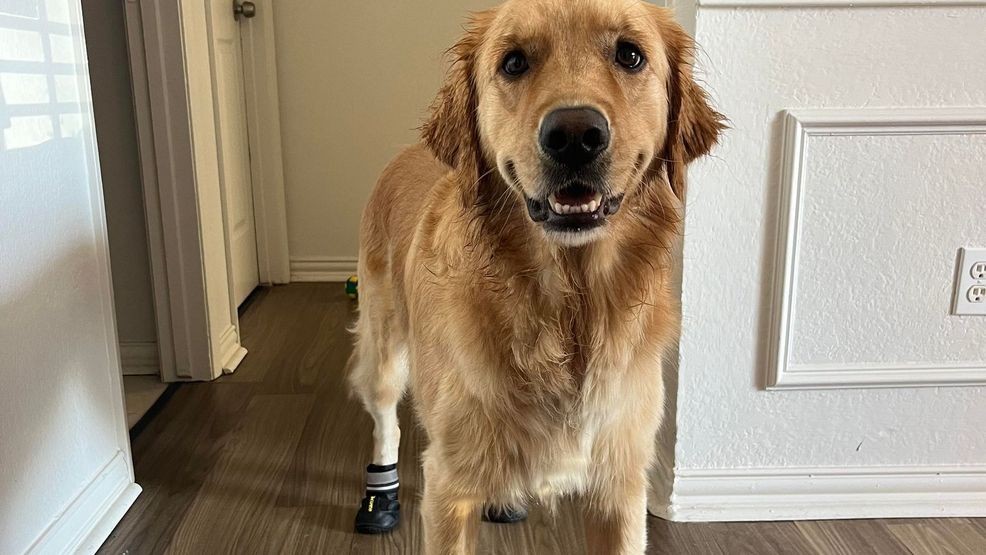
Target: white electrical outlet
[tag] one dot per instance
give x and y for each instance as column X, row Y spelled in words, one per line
column 977, row 294
column 970, row 285
column 978, row 270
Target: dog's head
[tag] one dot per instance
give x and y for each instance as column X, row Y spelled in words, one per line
column 575, row 103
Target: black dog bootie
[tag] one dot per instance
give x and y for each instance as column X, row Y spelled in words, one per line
column 380, row 511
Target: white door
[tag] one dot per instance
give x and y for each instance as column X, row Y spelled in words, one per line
column 234, row 147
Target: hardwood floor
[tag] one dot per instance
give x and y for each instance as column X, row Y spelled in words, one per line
column 140, row 393
column 270, row 459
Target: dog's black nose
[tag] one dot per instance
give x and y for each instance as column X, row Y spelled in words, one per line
column 574, row 137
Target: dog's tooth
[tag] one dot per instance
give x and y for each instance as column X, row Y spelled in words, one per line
column 585, row 208
column 593, row 205
column 557, row 208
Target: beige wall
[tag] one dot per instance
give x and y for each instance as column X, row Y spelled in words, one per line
column 117, row 137
column 355, row 81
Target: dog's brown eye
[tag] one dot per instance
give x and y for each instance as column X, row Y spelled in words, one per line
column 515, row 64
column 629, row 56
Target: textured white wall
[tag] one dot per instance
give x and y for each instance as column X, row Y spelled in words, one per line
column 61, row 407
column 881, row 221
column 914, row 196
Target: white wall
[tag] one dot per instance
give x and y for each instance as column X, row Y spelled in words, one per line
column 355, row 80
column 120, row 163
column 882, row 219
column 873, row 204
column 65, row 470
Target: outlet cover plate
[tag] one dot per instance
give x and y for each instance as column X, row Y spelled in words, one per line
column 965, row 281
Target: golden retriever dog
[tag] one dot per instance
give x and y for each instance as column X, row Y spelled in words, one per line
column 515, row 268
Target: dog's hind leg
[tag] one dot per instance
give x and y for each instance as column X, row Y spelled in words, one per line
column 378, row 373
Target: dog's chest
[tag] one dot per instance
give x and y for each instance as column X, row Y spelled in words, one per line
column 565, row 338
column 566, row 458
column 548, row 367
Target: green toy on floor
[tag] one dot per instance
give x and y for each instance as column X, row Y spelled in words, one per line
column 352, row 285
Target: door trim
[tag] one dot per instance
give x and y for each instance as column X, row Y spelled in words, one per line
column 168, row 47
column 151, row 192
column 264, row 131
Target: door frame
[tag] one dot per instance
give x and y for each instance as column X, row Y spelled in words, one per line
column 197, row 320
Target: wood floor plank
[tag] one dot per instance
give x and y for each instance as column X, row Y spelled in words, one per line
column 957, row 536
column 505, row 539
column 301, row 530
column 281, row 328
column 271, row 459
column 759, row 538
column 245, row 480
column 979, row 523
column 851, row 537
column 561, row 532
column 173, row 457
column 680, row 538
column 264, row 330
column 319, row 346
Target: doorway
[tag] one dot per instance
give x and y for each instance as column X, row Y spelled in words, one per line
column 209, row 152
column 116, row 138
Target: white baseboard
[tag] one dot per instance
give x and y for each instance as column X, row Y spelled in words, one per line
column 88, row 520
column 323, row 269
column 140, row 358
column 826, row 493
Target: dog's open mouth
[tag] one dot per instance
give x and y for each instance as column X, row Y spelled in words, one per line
column 575, row 208
column 575, row 199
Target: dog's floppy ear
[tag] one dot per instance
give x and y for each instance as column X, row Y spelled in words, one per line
column 693, row 125
column 452, row 132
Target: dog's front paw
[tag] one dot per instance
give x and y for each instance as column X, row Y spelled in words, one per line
column 378, row 514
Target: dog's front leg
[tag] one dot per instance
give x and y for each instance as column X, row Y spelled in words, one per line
column 451, row 519
column 618, row 527
column 615, row 512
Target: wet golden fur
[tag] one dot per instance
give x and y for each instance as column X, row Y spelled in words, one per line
column 535, row 366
